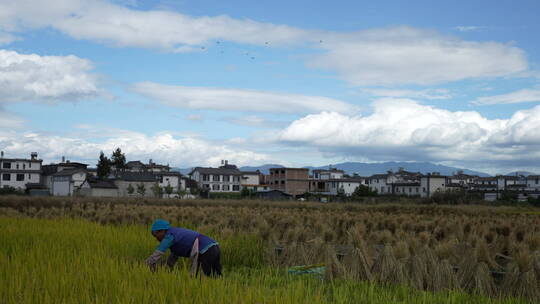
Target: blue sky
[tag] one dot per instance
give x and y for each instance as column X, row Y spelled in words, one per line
column 306, row 83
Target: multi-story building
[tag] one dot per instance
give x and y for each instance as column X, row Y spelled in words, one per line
column 19, row 172
column 433, row 183
column 294, row 181
column 226, row 178
column 533, row 182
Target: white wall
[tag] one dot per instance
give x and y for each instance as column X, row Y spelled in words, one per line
column 250, row 179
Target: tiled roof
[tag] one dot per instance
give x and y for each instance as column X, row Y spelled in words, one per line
column 217, row 171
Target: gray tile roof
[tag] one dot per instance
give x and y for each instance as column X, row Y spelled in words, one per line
column 135, row 176
column 216, row 171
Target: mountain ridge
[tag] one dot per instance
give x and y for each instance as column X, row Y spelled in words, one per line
column 368, row 169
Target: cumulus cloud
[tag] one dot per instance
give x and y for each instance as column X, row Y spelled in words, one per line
column 126, row 27
column 431, row 94
column 162, row 147
column 407, row 55
column 222, row 99
column 525, row 95
column 382, row 56
column 402, row 129
column 29, row 77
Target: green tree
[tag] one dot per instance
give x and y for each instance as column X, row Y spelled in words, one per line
column 141, row 189
column 181, row 193
column 103, row 166
column 363, row 191
column 130, row 189
column 168, row 189
column 118, row 159
column 245, row 193
column 157, row 190
column 341, row 193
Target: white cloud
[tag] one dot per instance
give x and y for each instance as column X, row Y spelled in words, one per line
column 222, row 99
column 401, row 129
column 382, row 56
column 30, row 77
column 255, row 121
column 162, row 147
column 469, row 28
column 431, row 94
column 125, row 27
column 525, row 95
column 406, row 55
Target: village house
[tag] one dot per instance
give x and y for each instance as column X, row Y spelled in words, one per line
column 67, row 182
column 93, row 187
column 347, row 185
column 433, row 183
column 293, row 181
column 226, row 178
column 20, row 173
column 253, row 181
column 533, row 182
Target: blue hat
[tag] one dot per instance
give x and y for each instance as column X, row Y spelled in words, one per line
column 160, row 224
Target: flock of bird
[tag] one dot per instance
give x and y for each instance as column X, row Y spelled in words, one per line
column 246, row 53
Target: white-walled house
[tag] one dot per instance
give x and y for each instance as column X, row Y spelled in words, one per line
column 170, row 178
column 432, row 183
column 381, row 183
column 67, row 182
column 533, row 182
column 347, row 184
column 226, row 178
column 18, row 172
column 326, row 174
column 407, row 189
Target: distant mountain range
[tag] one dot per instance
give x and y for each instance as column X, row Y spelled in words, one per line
column 524, row 173
column 367, row 169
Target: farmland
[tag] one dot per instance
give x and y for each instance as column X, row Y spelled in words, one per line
column 75, row 250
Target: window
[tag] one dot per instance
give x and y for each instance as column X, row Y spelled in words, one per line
column 382, row 190
column 215, row 187
column 236, row 188
column 226, row 178
column 424, row 189
column 17, row 165
column 410, row 190
column 206, row 186
column 236, row 178
column 29, row 176
column 6, row 177
column 226, row 188
column 282, row 171
column 29, row 165
column 283, row 182
column 417, row 190
column 20, row 177
column 6, row 166
column 205, row 178
column 215, row 178
column 24, row 166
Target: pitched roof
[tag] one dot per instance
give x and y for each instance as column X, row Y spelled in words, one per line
column 216, row 171
column 68, row 172
column 135, row 176
column 96, row 183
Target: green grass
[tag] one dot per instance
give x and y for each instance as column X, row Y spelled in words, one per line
column 76, row 261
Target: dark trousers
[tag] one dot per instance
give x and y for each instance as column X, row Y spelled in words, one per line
column 210, row 262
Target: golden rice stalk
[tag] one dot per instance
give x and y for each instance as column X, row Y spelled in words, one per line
column 388, row 269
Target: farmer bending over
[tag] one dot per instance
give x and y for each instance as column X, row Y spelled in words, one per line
column 203, row 251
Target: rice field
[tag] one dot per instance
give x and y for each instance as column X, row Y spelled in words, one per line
column 74, row 250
